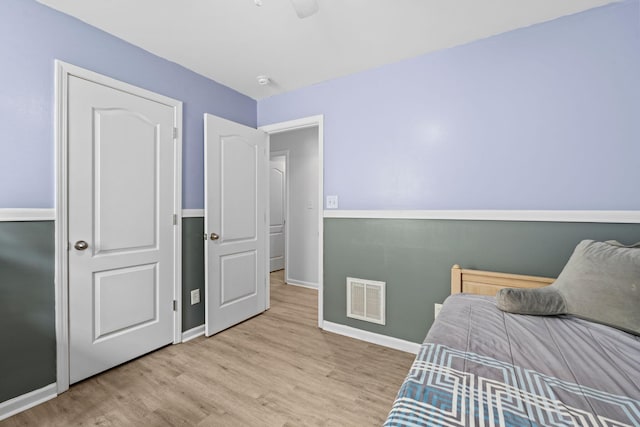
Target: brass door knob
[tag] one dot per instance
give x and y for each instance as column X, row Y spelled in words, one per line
column 214, row 236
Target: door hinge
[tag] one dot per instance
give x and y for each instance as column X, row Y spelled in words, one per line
column 175, row 305
column 175, row 219
column 175, row 133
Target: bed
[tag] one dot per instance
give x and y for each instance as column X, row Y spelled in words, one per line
column 481, row 366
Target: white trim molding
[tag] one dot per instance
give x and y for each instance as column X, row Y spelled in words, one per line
column 193, row 333
column 302, row 123
column 623, row 217
column 383, row 340
column 27, row 214
column 27, row 400
column 177, row 210
column 301, row 283
column 192, row 213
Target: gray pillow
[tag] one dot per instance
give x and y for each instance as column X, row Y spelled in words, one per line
column 539, row 301
column 600, row 282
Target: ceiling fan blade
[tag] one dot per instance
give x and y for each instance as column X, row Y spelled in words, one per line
column 305, row 8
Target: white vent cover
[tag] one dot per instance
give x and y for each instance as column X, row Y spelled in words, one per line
column 365, row 300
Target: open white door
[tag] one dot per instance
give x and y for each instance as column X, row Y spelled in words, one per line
column 277, row 208
column 236, row 192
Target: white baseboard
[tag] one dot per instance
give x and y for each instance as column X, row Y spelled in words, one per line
column 192, row 333
column 302, row 284
column 383, row 340
column 26, row 401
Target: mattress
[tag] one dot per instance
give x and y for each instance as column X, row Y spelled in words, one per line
column 480, row 366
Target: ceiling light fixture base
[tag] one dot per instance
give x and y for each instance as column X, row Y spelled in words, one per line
column 263, row 80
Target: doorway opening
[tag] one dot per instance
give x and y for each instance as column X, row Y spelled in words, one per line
column 118, row 270
column 301, row 143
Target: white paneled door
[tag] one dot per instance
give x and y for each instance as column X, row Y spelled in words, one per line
column 236, row 192
column 121, row 237
column 277, row 209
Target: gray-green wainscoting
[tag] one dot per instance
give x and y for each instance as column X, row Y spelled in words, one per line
column 27, row 312
column 414, row 257
column 192, row 271
column 27, row 300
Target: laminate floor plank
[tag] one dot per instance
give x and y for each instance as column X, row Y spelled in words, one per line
column 276, row 369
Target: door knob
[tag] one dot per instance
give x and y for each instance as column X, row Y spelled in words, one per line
column 214, row 236
column 81, row 245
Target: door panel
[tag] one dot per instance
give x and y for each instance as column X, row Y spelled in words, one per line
column 238, row 186
column 119, row 131
column 236, row 191
column 121, row 172
column 277, row 208
column 112, row 312
column 239, row 272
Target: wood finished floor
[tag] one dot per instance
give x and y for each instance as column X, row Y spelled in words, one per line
column 277, row 369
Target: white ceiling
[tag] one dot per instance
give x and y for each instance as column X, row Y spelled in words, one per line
column 233, row 41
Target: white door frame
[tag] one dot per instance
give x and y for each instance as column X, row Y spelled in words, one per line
column 285, row 154
column 302, row 123
column 62, row 72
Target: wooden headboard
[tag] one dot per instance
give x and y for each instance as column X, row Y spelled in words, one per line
column 488, row 282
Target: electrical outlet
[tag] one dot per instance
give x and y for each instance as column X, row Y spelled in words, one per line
column 332, row 202
column 436, row 310
column 195, row 296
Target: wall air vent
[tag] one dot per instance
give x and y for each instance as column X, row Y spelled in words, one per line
column 365, row 300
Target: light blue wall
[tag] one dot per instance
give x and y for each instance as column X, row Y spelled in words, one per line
column 546, row 117
column 31, row 37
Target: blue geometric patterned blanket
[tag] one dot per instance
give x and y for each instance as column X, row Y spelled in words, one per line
column 584, row 375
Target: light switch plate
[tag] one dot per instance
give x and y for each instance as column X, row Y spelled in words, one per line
column 332, row 202
column 195, row 296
